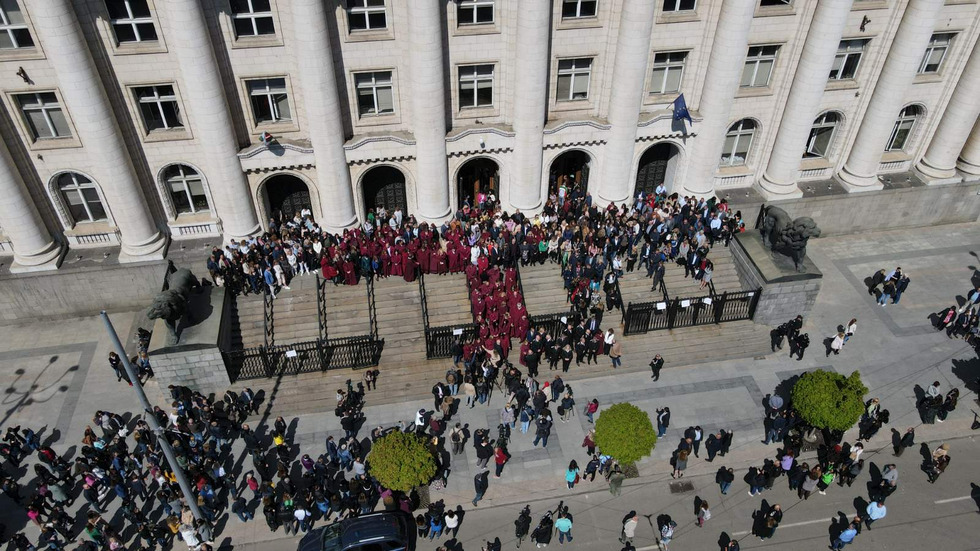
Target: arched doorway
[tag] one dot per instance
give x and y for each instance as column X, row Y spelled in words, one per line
column 287, row 195
column 475, row 177
column 571, row 169
column 657, row 166
column 384, row 186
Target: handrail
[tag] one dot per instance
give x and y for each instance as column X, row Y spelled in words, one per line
column 321, row 306
column 520, row 282
column 663, row 289
column 619, row 293
column 711, row 288
column 268, row 319
column 372, row 311
column 469, row 296
column 425, row 308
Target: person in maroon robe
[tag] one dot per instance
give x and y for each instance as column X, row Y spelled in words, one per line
column 422, row 258
column 434, row 261
column 350, row 277
column 329, row 272
column 525, row 348
column 410, row 266
column 482, row 263
column 452, row 258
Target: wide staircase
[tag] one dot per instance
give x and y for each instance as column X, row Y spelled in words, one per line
column 636, row 287
column 447, row 301
column 295, row 311
column 544, row 289
column 398, row 304
column 250, row 314
column 347, row 310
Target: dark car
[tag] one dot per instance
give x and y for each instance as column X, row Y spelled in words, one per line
column 388, row 531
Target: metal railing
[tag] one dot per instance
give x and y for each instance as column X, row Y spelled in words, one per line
column 425, row 307
column 303, row 357
column 439, row 341
column 321, row 307
column 643, row 317
column 553, row 323
column 268, row 318
column 372, row 312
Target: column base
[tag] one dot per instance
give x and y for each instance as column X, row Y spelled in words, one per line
column 854, row 183
column 154, row 249
column 435, row 219
column 972, row 171
column 238, row 235
column 48, row 259
column 339, row 228
column 688, row 190
column 933, row 175
column 772, row 191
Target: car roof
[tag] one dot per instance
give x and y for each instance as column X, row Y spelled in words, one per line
column 372, row 527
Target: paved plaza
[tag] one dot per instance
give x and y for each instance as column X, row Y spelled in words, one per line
column 56, row 377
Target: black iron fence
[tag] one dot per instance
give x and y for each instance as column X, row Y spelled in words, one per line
column 269, row 318
column 439, row 341
column 321, row 307
column 372, row 311
column 689, row 312
column 303, row 357
column 554, row 323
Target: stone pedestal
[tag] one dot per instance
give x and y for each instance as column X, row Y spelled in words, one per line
column 786, row 293
column 195, row 360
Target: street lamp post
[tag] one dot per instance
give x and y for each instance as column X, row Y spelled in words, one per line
column 168, row 452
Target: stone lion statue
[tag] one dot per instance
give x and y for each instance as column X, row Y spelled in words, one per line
column 171, row 304
column 788, row 237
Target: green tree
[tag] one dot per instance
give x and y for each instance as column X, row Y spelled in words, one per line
column 402, row 461
column 829, row 400
column 625, row 432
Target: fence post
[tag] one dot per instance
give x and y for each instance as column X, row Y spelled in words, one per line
column 754, row 303
column 672, row 312
column 720, row 307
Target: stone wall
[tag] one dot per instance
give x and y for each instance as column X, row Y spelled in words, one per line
column 202, row 370
column 84, row 291
column 880, row 210
column 783, row 298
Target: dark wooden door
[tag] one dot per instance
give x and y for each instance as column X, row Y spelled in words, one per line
column 287, row 196
column 390, row 196
column 653, row 169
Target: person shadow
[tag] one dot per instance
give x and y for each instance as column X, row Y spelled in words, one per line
column 896, row 439
column 875, row 473
column 697, row 504
column 926, row 457
column 826, row 344
column 975, row 494
column 860, row 506
column 837, row 526
column 920, row 395
column 723, row 540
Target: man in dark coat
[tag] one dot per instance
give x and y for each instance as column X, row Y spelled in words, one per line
column 713, row 444
column 480, row 483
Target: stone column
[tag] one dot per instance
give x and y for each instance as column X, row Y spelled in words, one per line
column 323, row 113
column 803, row 104
column 918, row 23
column 34, row 250
column 204, row 96
column 629, row 75
column 429, row 109
column 939, row 162
column 721, row 82
column 969, row 161
column 87, row 102
column 530, row 103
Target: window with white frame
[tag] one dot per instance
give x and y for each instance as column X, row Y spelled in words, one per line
column 475, row 86
column 252, row 18
column 738, row 142
column 903, row 128
column 679, row 5
column 774, row 3
column 270, row 102
column 758, row 66
column 158, row 107
column 573, row 78
column 366, row 15
column 131, row 21
column 573, row 9
column 186, row 189
column 82, row 198
column 44, row 116
column 848, row 59
column 668, row 68
column 932, row 60
column 822, row 135
column 14, row 33
column 374, row 93
column 475, row 12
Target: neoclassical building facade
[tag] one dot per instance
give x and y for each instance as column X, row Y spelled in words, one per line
column 130, row 122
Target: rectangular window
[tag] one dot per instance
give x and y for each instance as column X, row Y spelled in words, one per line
column 85, row 205
column 252, row 18
column 374, row 95
column 848, row 59
column 475, row 12
column 573, row 9
column 774, row 3
column 475, row 86
column 679, row 5
column 131, row 21
column 668, row 68
column 573, row 78
column 366, row 15
column 758, row 66
column 270, row 103
column 158, row 107
column 44, row 116
column 13, row 29
column 932, row 60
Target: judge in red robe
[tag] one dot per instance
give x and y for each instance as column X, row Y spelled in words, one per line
column 410, row 266
column 329, row 272
column 350, row 277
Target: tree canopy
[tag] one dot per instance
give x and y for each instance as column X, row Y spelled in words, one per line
column 402, row 461
column 829, row 400
column 625, row 432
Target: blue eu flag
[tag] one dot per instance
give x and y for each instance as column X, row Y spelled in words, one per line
column 680, row 110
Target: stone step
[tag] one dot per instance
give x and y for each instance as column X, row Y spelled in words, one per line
column 347, row 310
column 447, row 300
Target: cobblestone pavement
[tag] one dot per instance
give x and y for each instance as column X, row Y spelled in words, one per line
column 57, row 378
